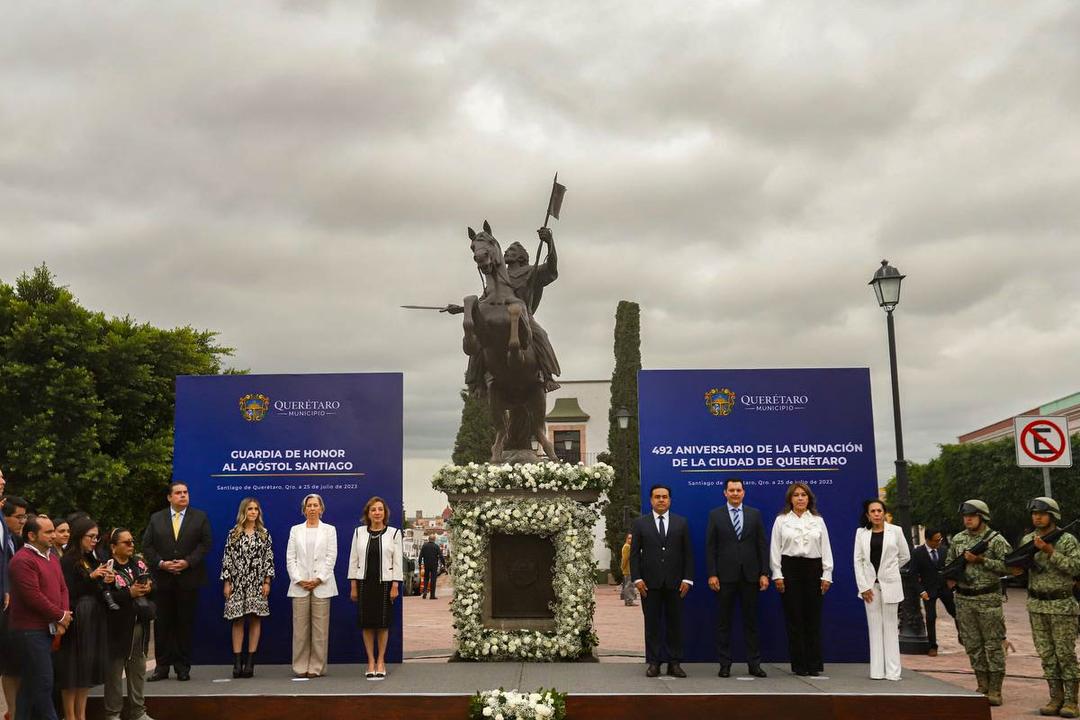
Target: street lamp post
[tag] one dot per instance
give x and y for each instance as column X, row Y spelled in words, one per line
column 913, row 640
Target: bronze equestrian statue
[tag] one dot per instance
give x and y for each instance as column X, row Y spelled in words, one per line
column 510, row 356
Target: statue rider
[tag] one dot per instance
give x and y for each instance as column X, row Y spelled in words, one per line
column 528, row 284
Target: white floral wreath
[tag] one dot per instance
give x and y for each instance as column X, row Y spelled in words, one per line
column 534, row 477
column 568, row 523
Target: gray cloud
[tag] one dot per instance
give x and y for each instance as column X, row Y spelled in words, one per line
column 290, row 174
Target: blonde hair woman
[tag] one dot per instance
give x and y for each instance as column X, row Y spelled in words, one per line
column 247, row 568
column 310, row 559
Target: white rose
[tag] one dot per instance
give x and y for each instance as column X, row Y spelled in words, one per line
column 487, row 712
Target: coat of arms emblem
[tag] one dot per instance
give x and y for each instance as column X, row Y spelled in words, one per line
column 254, row 406
column 720, row 401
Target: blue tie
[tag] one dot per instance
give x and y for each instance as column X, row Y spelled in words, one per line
column 736, row 520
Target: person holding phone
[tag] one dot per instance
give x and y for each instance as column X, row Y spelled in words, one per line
column 128, row 627
column 83, row 654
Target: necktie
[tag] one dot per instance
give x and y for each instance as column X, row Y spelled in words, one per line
column 736, row 520
column 663, row 533
column 933, row 556
column 176, row 525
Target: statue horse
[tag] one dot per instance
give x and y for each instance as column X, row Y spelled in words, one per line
column 497, row 330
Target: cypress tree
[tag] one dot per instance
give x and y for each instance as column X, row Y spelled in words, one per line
column 475, row 435
column 623, row 444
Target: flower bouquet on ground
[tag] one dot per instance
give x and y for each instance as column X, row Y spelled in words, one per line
column 513, row 705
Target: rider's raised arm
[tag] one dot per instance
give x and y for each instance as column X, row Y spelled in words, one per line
column 548, row 271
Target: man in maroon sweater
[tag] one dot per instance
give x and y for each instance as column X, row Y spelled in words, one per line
column 39, row 609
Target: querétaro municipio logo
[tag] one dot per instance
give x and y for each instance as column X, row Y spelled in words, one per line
column 254, row 406
column 720, row 401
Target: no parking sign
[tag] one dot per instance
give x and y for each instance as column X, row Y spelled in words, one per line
column 1042, row 442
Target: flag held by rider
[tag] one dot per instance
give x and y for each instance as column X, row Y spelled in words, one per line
column 555, row 202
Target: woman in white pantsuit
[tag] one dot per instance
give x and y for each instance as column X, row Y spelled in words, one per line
column 310, row 560
column 880, row 552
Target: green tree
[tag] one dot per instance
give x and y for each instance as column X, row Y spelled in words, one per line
column 88, row 400
column 475, row 434
column 986, row 471
column 623, row 444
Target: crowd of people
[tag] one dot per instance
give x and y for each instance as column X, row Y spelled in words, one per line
column 79, row 600
column 658, row 566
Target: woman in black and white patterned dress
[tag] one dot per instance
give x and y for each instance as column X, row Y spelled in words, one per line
column 375, row 572
column 247, row 569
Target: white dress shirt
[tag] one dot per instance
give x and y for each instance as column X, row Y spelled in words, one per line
column 667, row 529
column 805, row 537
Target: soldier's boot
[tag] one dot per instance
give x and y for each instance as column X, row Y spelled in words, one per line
column 1057, row 697
column 1070, row 709
column 981, row 679
column 993, row 688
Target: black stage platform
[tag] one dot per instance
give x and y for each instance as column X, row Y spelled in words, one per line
column 419, row 690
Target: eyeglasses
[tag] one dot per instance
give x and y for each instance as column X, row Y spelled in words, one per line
column 125, row 542
column 88, row 536
column 20, row 516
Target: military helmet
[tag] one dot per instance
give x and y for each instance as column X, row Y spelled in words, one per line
column 975, row 507
column 1046, row 505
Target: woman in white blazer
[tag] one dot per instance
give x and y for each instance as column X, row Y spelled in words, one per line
column 310, row 560
column 375, row 575
column 880, row 552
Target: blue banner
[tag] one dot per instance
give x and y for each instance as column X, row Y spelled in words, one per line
column 278, row 438
column 768, row 428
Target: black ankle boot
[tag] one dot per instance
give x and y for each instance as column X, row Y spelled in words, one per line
column 249, row 665
column 237, row 666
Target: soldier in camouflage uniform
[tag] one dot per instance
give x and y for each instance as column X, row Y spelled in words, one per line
column 1052, row 608
column 979, row 615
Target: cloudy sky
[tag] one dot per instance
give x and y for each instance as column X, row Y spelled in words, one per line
column 288, row 174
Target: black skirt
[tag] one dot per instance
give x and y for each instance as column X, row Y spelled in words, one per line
column 83, row 656
column 373, row 610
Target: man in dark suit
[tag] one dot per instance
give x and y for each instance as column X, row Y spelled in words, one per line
column 174, row 545
column 738, row 563
column 431, row 558
column 927, row 561
column 662, row 568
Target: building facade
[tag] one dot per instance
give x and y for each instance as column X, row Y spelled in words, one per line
column 577, row 424
column 1068, row 406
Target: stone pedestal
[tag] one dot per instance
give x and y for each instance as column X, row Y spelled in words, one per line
column 522, row 558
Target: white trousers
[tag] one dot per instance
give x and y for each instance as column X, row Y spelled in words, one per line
column 311, row 634
column 881, row 619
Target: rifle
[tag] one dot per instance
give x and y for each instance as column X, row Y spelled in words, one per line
column 955, row 568
column 1023, row 557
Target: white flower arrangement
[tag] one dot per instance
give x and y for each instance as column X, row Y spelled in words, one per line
column 513, row 705
column 534, row 477
column 567, row 522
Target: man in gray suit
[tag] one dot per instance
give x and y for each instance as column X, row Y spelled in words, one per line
column 662, row 568
column 737, row 559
